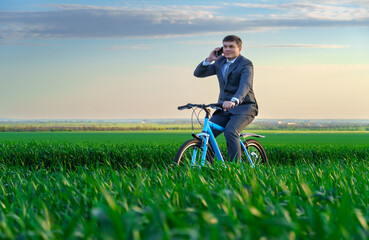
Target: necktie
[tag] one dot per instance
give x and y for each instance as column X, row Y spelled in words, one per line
column 225, row 69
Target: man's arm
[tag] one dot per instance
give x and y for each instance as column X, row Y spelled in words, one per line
column 247, row 75
column 205, row 68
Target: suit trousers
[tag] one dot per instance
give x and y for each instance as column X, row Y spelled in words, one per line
column 233, row 125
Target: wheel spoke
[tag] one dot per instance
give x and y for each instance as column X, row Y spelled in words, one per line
column 190, row 154
column 194, row 155
column 255, row 152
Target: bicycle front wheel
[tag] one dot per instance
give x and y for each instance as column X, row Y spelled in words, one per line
column 255, row 151
column 190, row 154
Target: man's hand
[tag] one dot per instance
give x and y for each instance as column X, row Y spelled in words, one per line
column 228, row 105
column 212, row 57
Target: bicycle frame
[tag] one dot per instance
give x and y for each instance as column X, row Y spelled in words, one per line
column 206, row 135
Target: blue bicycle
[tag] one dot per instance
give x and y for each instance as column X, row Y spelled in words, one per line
column 203, row 147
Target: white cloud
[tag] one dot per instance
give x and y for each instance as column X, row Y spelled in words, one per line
column 297, row 45
column 86, row 21
column 131, row 47
column 311, row 10
column 17, row 43
column 318, row 67
column 199, row 42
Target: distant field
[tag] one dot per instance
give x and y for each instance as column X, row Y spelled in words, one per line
column 176, row 124
column 177, row 137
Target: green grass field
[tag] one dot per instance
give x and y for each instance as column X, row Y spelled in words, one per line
column 164, row 137
column 119, row 185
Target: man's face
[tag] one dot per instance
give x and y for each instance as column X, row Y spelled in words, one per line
column 231, row 50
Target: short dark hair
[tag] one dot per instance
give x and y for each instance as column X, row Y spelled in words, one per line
column 233, row 38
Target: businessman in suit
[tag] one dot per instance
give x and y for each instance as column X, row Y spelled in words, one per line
column 235, row 76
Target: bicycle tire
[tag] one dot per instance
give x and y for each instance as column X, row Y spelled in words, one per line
column 184, row 153
column 256, row 152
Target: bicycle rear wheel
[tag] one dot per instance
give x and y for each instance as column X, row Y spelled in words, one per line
column 256, row 153
column 190, row 154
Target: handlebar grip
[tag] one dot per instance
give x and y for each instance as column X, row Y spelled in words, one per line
column 217, row 106
column 187, row 106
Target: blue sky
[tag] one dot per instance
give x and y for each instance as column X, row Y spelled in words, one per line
column 135, row 59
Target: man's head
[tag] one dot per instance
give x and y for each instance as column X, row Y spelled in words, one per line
column 232, row 46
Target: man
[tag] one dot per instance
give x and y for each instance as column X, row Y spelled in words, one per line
column 235, row 76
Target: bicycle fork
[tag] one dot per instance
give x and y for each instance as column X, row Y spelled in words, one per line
column 205, row 139
column 247, row 154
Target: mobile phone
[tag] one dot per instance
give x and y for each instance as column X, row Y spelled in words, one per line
column 219, row 52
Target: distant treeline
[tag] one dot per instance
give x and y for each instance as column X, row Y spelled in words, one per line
column 259, row 125
column 83, row 128
column 310, row 126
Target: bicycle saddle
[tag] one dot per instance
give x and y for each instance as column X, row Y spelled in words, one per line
column 245, row 135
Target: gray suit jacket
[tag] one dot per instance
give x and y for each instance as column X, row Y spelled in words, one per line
column 238, row 83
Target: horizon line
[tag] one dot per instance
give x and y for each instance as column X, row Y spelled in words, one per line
column 171, row 119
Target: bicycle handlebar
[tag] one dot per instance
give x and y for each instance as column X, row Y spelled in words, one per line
column 203, row 106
